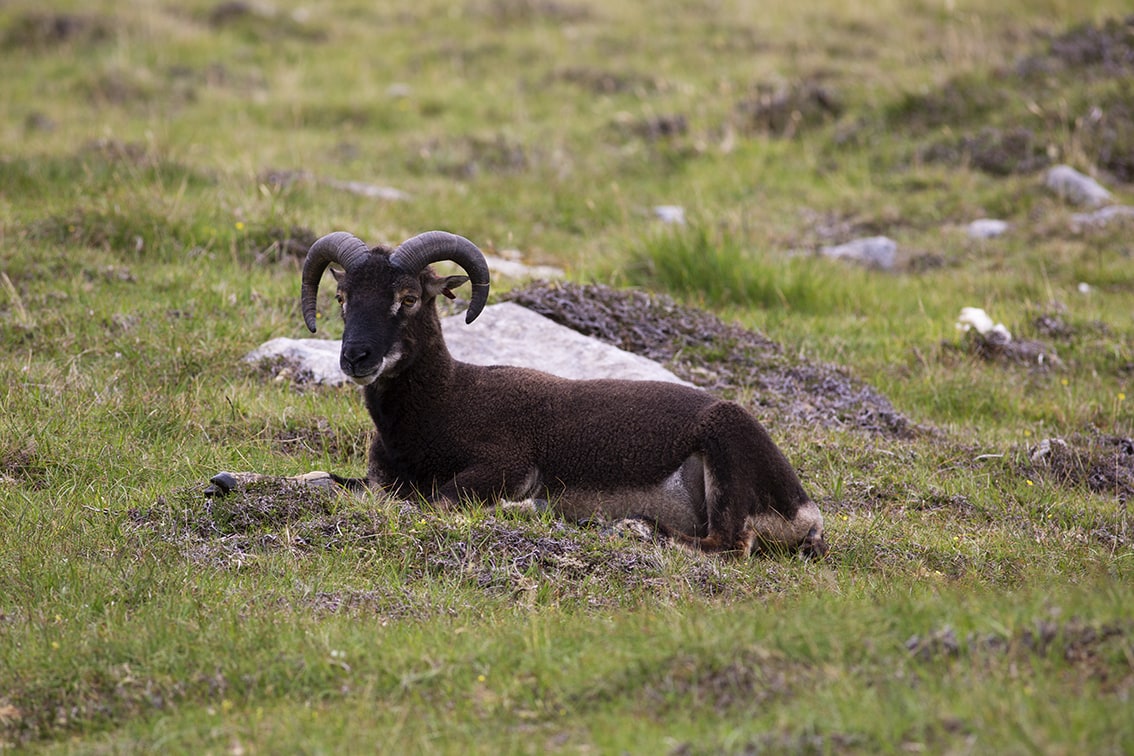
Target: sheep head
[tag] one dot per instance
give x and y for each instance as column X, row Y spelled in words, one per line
column 381, row 291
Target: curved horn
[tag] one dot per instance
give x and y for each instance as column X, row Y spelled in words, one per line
column 433, row 246
column 339, row 247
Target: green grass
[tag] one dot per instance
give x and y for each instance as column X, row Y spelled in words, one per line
column 154, row 160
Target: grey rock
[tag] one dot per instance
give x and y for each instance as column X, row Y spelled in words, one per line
column 512, row 267
column 987, row 228
column 1102, row 217
column 1075, row 187
column 504, row 334
column 670, row 214
column 363, row 189
column 873, row 251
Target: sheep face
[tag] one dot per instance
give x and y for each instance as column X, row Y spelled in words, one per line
column 378, row 301
column 382, row 292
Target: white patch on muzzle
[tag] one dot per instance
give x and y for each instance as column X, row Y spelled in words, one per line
column 392, row 358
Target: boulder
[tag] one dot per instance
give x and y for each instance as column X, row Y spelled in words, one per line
column 873, row 251
column 504, row 334
column 1075, row 187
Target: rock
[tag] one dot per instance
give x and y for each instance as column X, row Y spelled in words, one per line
column 976, row 319
column 1076, row 187
column 510, row 267
column 504, row 334
column 368, row 190
column 308, row 360
column 670, row 214
column 873, row 251
column 1102, row 217
column 987, row 228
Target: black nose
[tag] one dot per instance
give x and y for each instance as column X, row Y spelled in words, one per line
column 352, row 357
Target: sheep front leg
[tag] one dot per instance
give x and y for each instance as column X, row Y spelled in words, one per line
column 224, row 482
column 488, row 483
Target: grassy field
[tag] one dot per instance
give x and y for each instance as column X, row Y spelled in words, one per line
column 160, row 163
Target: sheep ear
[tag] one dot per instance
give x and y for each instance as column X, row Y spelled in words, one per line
column 444, row 286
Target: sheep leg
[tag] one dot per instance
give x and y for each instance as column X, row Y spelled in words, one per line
column 223, row 482
column 485, row 483
column 751, row 492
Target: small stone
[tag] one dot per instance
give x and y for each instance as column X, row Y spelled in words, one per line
column 873, row 251
column 1075, row 187
column 987, row 228
column 670, row 214
column 1102, row 217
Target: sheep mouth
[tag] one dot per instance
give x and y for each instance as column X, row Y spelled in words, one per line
column 365, row 380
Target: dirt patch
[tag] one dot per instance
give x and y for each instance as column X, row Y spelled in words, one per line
column 470, row 156
column 601, row 81
column 47, row 31
column 995, row 347
column 1095, row 651
column 260, row 21
column 257, row 507
column 753, row 677
column 1102, row 463
column 20, row 465
column 725, row 358
column 505, row 554
column 1106, row 49
column 999, row 152
column 271, row 244
column 524, row 12
column 1068, row 100
column 786, row 110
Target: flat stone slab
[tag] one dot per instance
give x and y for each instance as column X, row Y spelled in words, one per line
column 504, row 334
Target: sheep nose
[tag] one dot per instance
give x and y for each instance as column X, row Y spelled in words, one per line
column 353, row 356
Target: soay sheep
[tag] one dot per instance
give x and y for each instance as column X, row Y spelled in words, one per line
column 700, row 470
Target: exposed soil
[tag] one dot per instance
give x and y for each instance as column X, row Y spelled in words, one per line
column 999, row 152
column 1103, row 464
column 1106, row 49
column 725, row 358
column 1097, row 654
column 39, row 31
column 996, row 348
column 1078, row 89
column 21, row 464
column 785, row 110
column 754, row 677
column 1093, row 650
column 500, row 554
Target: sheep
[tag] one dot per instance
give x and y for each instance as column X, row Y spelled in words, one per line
column 696, row 469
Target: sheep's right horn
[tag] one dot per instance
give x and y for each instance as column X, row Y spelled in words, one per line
column 339, row 247
column 433, row 246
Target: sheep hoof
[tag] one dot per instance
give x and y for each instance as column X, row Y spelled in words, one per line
column 220, row 484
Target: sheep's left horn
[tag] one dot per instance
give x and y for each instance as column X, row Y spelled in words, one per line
column 340, row 247
column 434, row 246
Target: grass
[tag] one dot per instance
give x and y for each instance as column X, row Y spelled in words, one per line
column 156, row 164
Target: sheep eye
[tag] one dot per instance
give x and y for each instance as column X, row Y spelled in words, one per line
column 409, row 301
column 341, row 298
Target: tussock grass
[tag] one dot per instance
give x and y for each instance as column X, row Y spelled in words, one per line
column 162, row 168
